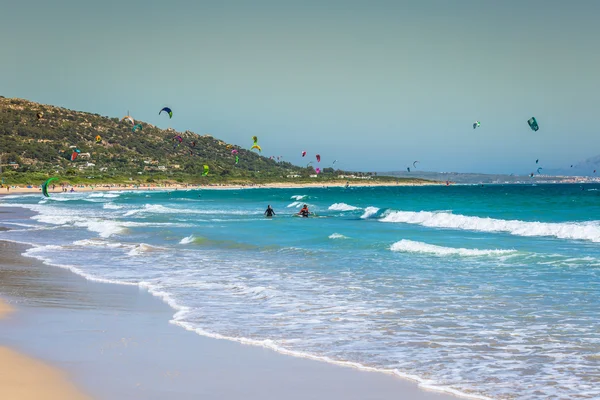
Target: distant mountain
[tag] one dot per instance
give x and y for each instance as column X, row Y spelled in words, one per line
column 581, row 168
column 474, row 178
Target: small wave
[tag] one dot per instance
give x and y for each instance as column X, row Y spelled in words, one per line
column 187, row 240
column 143, row 248
column 409, row 246
column 111, row 206
column 105, row 195
column 338, row 236
column 370, row 212
column 299, row 197
column 160, row 209
column 343, row 207
column 296, row 204
column 568, row 230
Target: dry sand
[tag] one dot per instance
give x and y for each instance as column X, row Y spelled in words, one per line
column 24, row 378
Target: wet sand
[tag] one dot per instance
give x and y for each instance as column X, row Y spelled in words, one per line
column 25, row 378
column 115, row 342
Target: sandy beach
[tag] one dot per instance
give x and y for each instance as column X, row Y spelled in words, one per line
column 115, row 342
column 21, row 189
column 25, row 378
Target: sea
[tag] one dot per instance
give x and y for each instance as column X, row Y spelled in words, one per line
column 489, row 292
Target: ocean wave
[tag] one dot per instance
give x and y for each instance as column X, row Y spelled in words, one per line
column 160, row 209
column 296, row 204
column 187, row 240
column 568, row 230
column 105, row 195
column 409, row 246
column 143, row 248
column 111, row 206
column 370, row 212
column 299, row 197
column 342, row 207
column 338, row 236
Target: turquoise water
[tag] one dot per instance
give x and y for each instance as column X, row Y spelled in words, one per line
column 488, row 291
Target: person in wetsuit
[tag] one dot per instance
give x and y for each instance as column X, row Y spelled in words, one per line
column 304, row 212
column 269, row 212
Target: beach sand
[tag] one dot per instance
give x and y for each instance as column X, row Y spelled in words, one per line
column 115, row 342
column 25, row 378
column 286, row 185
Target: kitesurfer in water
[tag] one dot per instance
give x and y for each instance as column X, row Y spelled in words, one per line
column 304, row 212
column 269, row 212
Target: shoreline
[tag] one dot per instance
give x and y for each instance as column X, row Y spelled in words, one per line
column 217, row 186
column 324, row 376
column 27, row 378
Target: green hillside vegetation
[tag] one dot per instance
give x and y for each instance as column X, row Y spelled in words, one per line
column 33, row 149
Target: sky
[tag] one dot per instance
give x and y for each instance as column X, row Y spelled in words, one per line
column 373, row 84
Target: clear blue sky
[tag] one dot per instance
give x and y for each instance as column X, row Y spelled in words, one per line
column 374, row 84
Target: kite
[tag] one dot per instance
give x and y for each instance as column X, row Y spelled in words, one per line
column 234, row 151
column 318, row 170
column 74, row 155
column 318, row 157
column 539, row 169
column 45, row 186
column 476, row 124
column 205, row 170
column 255, row 145
column 334, row 161
column 533, row 124
column 531, row 175
column 128, row 118
column 415, row 164
column 303, row 153
column 40, row 115
column 237, row 159
column 408, row 169
column 537, row 161
column 168, row 111
column 228, row 146
column 137, row 127
column 98, row 138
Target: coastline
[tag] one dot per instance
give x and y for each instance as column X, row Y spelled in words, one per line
column 223, row 186
column 122, row 334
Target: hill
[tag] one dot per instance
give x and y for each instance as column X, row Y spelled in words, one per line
column 36, row 141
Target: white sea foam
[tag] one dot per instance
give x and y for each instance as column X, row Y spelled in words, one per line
column 342, row 207
column 160, row 209
column 569, row 230
column 187, row 240
column 105, row 195
column 299, row 197
column 337, row 236
column 296, row 204
column 409, row 246
column 111, row 206
column 369, row 212
column 143, row 248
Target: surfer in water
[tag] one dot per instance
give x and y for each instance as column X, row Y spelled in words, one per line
column 269, row 212
column 304, row 212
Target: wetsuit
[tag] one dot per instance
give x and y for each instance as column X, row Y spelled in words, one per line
column 270, row 212
column 304, row 212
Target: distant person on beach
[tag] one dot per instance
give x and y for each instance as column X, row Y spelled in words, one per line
column 304, row 212
column 269, row 212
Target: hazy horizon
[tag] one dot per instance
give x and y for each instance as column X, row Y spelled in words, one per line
column 374, row 85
